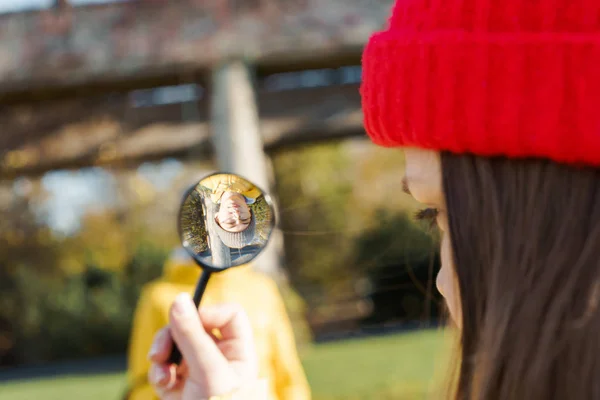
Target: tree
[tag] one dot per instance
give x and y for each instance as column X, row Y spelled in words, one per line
column 314, row 189
column 401, row 260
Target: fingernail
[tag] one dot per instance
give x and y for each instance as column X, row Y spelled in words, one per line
column 154, row 349
column 183, row 306
column 157, row 375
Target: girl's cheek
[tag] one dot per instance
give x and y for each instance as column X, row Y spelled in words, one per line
column 446, row 279
column 442, row 221
column 443, row 279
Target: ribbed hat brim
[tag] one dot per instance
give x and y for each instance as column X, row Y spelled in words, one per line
column 489, row 94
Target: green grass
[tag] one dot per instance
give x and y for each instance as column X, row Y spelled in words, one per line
column 400, row 367
column 97, row 387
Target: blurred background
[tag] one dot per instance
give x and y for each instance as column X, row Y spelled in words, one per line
column 111, row 109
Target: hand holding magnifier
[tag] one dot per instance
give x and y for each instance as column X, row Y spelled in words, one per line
column 224, row 221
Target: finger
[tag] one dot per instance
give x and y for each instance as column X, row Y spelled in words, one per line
column 198, row 349
column 161, row 375
column 229, row 319
column 171, row 390
column 236, row 342
column 177, row 378
column 182, row 370
column 236, row 336
column 161, row 346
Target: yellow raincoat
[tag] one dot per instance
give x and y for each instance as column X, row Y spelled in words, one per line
column 221, row 183
column 258, row 294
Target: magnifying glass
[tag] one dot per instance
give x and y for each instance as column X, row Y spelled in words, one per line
column 224, row 221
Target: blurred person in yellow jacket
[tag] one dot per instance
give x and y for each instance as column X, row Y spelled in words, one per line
column 256, row 293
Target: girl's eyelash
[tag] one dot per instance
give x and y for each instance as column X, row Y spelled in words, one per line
column 427, row 214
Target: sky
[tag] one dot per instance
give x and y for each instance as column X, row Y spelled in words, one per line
column 73, row 193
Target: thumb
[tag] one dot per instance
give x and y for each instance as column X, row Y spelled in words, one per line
column 207, row 365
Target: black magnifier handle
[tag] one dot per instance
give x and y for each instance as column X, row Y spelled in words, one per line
column 175, row 357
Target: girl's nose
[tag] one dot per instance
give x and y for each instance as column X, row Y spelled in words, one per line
column 235, row 213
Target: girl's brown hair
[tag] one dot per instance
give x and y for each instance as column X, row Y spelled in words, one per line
column 526, row 241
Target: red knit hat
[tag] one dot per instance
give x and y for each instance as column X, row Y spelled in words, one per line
column 518, row 78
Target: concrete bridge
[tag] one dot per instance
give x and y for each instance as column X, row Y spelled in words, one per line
column 141, row 42
column 78, row 84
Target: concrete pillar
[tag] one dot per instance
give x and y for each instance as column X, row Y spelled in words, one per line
column 238, row 143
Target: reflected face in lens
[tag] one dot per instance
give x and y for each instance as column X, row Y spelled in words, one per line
column 234, row 214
